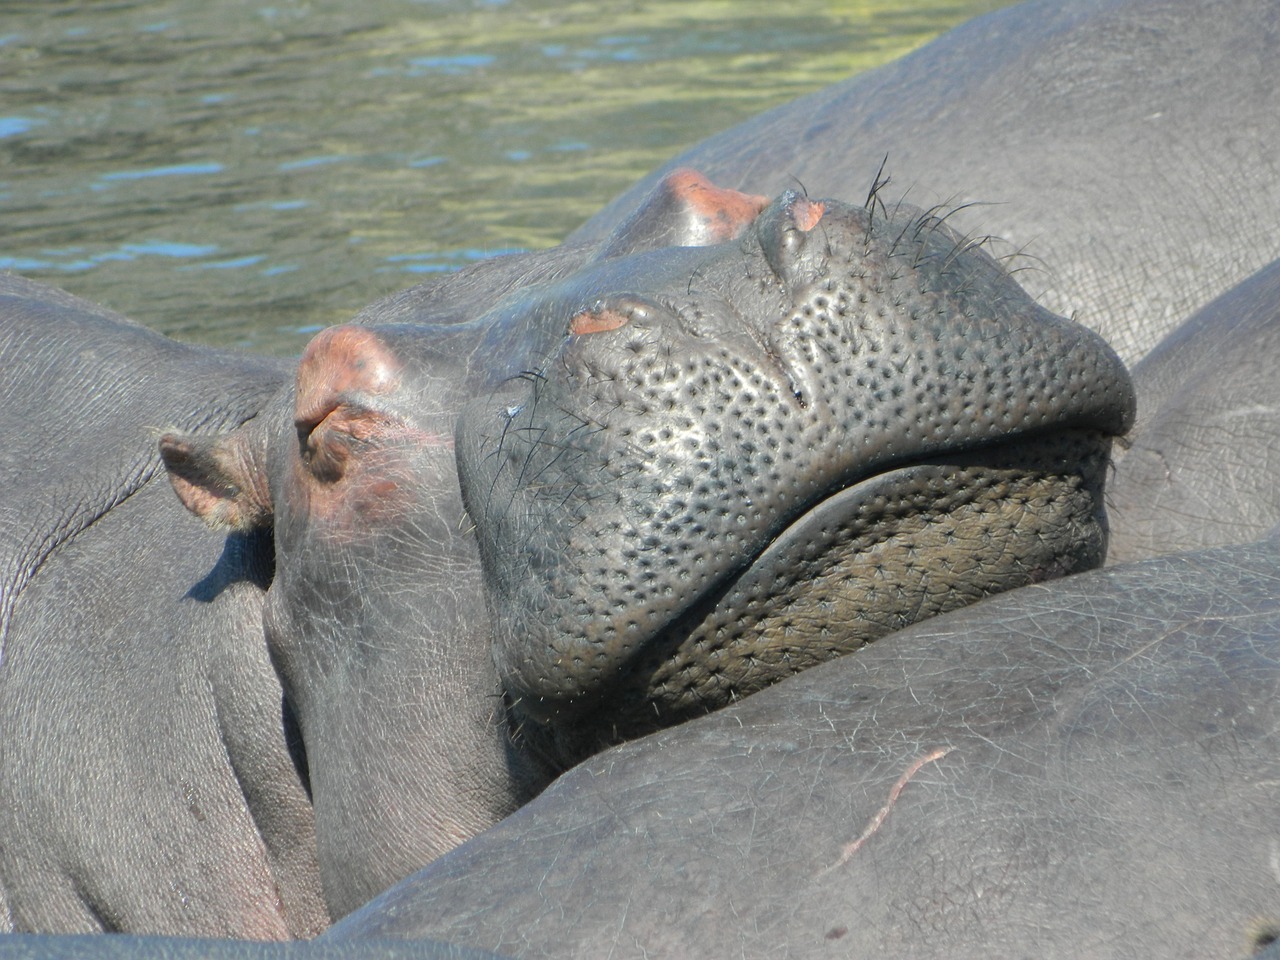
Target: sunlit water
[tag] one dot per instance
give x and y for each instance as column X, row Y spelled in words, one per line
column 245, row 172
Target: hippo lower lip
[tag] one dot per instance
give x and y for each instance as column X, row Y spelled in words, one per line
column 903, row 544
column 803, row 539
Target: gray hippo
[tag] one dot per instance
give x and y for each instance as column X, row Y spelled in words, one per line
column 1048, row 754
column 1081, row 768
column 451, row 560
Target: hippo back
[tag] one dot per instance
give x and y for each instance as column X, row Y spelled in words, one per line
column 1102, row 138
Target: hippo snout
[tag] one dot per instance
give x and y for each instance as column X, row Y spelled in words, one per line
column 713, row 467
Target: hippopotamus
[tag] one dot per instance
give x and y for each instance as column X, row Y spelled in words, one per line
column 448, row 561
column 1082, row 767
column 948, row 789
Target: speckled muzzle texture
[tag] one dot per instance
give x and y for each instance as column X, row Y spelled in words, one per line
column 710, row 468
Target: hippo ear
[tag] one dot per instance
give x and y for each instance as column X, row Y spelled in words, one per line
column 340, row 366
column 221, row 479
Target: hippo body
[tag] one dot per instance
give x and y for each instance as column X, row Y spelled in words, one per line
column 1125, row 146
column 380, row 745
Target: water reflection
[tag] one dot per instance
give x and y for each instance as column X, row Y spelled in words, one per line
column 246, row 172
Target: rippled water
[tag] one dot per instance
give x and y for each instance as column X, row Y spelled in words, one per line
column 245, row 172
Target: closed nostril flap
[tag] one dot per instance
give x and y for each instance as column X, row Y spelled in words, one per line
column 784, row 229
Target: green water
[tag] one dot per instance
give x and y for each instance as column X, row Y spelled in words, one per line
column 245, row 172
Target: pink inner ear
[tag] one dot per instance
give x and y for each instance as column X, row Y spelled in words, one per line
column 217, row 479
column 339, row 361
column 202, row 499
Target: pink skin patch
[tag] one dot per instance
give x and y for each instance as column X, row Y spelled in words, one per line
column 805, row 214
column 723, row 213
column 597, row 321
column 338, row 361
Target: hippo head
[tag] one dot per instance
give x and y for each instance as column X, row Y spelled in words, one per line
column 711, row 468
column 376, row 615
column 641, row 488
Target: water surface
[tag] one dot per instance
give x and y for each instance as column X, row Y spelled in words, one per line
column 246, row 172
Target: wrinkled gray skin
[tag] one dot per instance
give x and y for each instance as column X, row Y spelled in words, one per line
column 1200, row 468
column 1127, row 146
column 887, row 398
column 1111, row 789
column 793, row 445
column 1199, row 629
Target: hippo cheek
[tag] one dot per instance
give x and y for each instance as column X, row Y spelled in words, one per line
column 350, row 551
column 362, row 472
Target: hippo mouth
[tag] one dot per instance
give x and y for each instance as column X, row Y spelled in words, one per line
column 780, row 450
column 909, row 542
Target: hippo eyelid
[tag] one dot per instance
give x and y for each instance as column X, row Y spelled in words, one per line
column 360, row 421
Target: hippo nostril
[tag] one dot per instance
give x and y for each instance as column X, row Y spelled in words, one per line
column 784, row 230
column 597, row 321
column 603, row 317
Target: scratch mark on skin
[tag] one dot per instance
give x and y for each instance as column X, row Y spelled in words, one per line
column 1275, row 859
column 882, row 814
